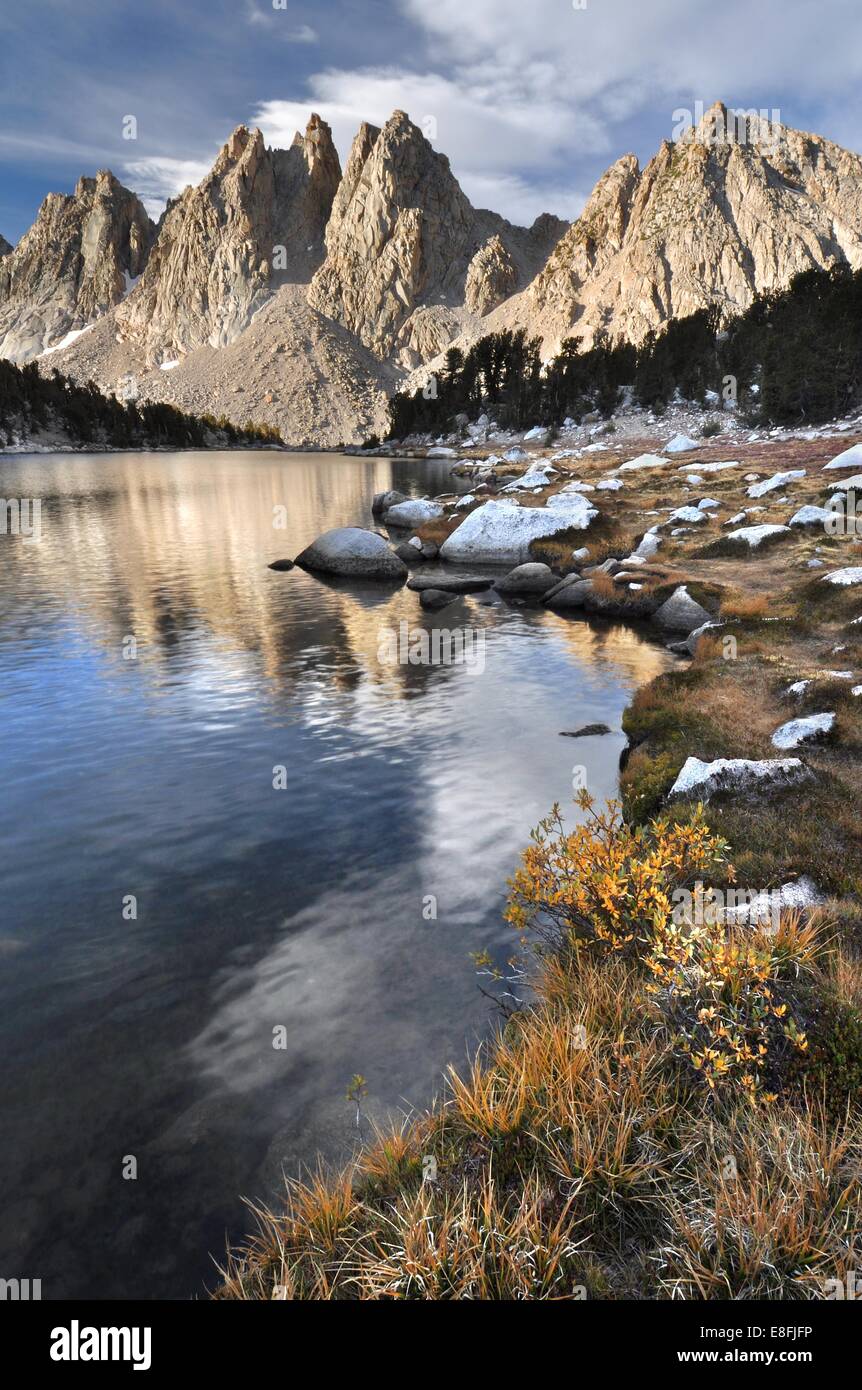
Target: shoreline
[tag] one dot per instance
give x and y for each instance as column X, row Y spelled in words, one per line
column 780, row 1076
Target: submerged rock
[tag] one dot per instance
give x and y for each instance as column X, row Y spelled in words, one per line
column 354, row 552
column 281, row 565
column 451, row 583
column 436, row 598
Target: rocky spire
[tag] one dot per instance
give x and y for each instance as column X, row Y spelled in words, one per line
column 256, row 220
column 402, row 230
column 76, row 262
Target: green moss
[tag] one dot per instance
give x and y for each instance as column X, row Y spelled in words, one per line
column 646, row 781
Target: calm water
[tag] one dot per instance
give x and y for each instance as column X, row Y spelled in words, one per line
column 256, row 908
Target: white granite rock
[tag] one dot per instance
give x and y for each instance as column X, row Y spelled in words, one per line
column 797, row 731
column 776, row 481
column 743, row 776
column 501, row 532
column 754, row 535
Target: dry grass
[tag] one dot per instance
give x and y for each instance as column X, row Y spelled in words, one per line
column 738, row 605
column 581, row 1155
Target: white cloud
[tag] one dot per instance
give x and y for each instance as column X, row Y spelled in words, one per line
column 276, row 20
column 512, row 155
column 159, row 178
column 531, row 101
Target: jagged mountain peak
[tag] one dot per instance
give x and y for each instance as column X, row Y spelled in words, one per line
column 75, row 262
column 737, row 205
column 407, row 253
column 256, row 220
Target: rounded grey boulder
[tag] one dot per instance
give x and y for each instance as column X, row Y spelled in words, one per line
column 572, row 595
column 354, row 552
column 681, row 613
column 384, row 500
column 530, row 578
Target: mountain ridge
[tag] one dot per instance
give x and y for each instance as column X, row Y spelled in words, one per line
column 368, row 275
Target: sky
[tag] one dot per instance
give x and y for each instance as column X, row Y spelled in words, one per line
column 530, row 99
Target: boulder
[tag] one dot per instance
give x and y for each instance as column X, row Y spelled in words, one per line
column 690, row 642
column 810, row 515
column 776, row 481
column 354, row 552
column 681, row 444
column 500, row 532
column 699, row 781
column 409, row 554
column 569, row 595
column 573, row 578
column 281, row 565
column 853, row 484
column 753, row 536
column 416, row 511
column 648, row 544
column 799, row 896
column 642, row 461
column 382, row 501
column 681, row 613
column 803, row 730
column 531, row 578
column 845, row 578
column 850, row 458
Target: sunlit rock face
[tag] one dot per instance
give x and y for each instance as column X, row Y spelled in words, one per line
column 404, row 237
column 731, row 209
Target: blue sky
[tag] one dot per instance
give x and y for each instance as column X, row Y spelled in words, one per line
column 531, row 99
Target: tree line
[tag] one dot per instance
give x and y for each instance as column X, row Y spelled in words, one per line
column 793, row 357
column 31, row 403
